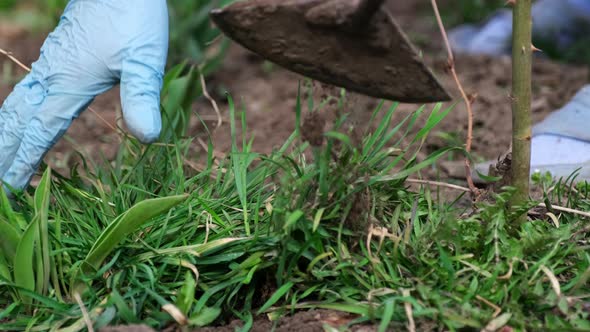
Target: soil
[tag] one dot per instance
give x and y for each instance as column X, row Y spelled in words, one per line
column 309, row 321
column 304, row 321
column 268, row 93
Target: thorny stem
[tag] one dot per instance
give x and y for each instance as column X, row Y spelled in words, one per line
column 522, row 50
column 468, row 101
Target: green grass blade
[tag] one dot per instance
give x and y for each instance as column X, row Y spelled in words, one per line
column 9, row 239
column 205, row 317
column 4, row 269
column 387, row 317
column 186, row 296
column 24, row 276
column 276, row 296
column 411, row 170
column 126, row 224
column 6, row 210
column 41, row 216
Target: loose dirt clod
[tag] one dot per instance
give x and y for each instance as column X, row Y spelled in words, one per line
column 312, row 129
column 127, row 328
column 358, row 217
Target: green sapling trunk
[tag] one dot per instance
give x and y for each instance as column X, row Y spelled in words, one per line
column 522, row 50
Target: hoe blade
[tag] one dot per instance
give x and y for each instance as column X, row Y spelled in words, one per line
column 374, row 58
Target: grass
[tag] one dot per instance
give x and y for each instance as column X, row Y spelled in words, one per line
column 147, row 239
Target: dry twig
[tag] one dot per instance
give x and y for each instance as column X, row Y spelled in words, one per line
column 438, row 184
column 85, row 314
column 468, row 101
column 212, row 101
column 497, row 310
column 409, row 312
column 564, row 209
column 552, row 279
column 456, row 187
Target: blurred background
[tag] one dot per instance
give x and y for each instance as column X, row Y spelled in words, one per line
column 268, row 93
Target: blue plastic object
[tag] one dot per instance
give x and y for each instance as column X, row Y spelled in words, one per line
column 559, row 21
column 96, row 45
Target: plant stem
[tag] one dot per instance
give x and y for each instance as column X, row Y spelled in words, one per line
column 522, row 49
column 467, row 99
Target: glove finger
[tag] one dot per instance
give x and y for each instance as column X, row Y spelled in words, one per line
column 140, row 97
column 142, row 72
column 15, row 114
column 44, row 129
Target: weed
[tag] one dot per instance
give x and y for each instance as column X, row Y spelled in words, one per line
column 268, row 234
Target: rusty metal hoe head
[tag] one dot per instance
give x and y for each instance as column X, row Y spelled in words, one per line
column 354, row 44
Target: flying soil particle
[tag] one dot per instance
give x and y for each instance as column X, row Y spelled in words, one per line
column 312, row 130
column 358, row 217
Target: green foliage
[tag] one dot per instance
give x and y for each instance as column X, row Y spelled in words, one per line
column 7, row 4
column 53, row 8
column 577, row 53
column 291, row 224
column 470, row 11
column 191, row 33
column 30, row 249
column 179, row 91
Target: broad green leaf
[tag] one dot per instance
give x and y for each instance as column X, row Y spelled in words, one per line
column 6, row 210
column 180, row 94
column 127, row 223
column 205, row 317
column 42, row 216
column 9, row 239
column 387, row 317
column 317, row 218
column 4, row 269
column 24, row 276
column 359, row 309
column 186, row 296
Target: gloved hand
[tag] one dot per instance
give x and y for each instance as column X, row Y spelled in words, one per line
column 559, row 21
column 97, row 44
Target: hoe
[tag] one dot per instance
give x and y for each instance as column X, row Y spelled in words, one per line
column 352, row 44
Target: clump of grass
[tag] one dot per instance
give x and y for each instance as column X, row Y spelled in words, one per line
column 274, row 234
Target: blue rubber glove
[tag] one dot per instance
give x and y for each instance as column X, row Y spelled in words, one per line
column 97, row 44
column 560, row 21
